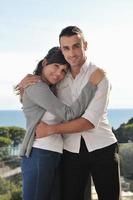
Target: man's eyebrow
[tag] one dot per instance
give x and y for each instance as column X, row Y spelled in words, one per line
column 65, row 46
column 78, row 43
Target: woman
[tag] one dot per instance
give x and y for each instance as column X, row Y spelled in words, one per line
column 41, row 157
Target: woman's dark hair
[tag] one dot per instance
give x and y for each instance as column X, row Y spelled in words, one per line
column 54, row 55
column 39, row 67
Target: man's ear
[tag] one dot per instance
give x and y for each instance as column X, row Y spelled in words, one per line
column 44, row 62
column 85, row 45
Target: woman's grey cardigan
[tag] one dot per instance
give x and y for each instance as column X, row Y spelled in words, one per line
column 38, row 99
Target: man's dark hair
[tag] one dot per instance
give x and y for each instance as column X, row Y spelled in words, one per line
column 71, row 30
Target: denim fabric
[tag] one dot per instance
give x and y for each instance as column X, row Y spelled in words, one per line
column 38, row 173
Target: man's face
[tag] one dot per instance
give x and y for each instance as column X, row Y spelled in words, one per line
column 73, row 48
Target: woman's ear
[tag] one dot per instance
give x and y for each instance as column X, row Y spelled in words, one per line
column 44, row 62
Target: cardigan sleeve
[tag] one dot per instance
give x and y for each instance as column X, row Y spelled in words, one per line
column 41, row 95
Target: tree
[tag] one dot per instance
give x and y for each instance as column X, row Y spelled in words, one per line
column 126, row 153
column 124, row 133
column 5, row 141
column 130, row 121
column 4, row 150
column 10, row 191
column 16, row 134
column 9, row 136
column 4, row 186
column 4, row 131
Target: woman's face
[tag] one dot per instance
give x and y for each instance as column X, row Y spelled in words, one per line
column 54, row 73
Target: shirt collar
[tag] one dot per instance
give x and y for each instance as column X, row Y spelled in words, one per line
column 85, row 66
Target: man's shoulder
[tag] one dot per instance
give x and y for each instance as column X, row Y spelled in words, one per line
column 90, row 68
column 93, row 66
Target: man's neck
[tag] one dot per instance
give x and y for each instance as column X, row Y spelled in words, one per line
column 75, row 70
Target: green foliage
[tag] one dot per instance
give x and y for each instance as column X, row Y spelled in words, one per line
column 4, row 186
column 4, row 150
column 4, row 153
column 4, row 131
column 9, row 137
column 130, row 121
column 128, row 126
column 16, row 194
column 5, row 196
column 124, row 133
column 5, row 141
column 126, row 154
column 10, row 191
column 15, row 134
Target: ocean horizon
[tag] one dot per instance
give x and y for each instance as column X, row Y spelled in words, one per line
column 16, row 117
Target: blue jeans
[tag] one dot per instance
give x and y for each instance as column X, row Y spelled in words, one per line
column 38, row 173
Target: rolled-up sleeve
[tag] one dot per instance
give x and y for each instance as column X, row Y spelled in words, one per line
column 99, row 103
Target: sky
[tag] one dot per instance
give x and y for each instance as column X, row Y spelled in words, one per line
column 29, row 28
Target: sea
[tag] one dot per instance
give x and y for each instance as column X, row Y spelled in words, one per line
column 16, row 117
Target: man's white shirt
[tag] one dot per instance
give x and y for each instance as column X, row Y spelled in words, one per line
column 68, row 91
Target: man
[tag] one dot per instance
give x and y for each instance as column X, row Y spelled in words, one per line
column 90, row 147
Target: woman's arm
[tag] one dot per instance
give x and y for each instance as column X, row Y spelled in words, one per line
column 41, row 95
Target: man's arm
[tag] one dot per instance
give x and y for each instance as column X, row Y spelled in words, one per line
column 89, row 119
column 73, row 126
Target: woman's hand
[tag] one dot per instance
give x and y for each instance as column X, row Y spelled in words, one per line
column 25, row 82
column 97, row 76
column 28, row 80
